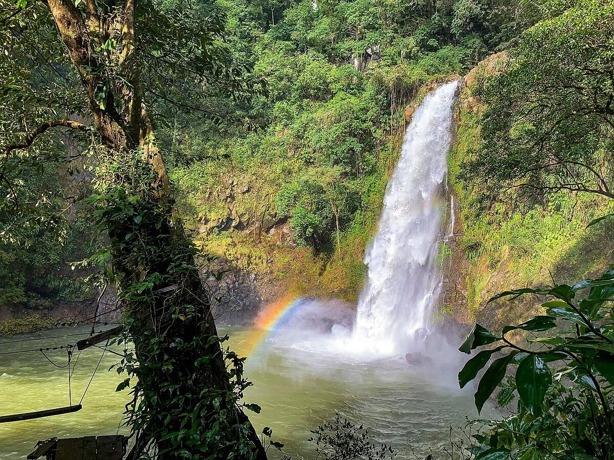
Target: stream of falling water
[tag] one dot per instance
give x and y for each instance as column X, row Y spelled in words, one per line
column 395, row 307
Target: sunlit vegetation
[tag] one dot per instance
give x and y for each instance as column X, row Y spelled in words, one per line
column 279, row 124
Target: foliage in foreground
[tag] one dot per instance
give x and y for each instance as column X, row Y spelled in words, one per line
column 562, row 378
column 340, row 439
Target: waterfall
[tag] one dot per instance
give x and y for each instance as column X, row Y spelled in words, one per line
column 394, row 309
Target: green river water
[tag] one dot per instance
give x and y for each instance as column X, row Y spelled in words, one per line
column 409, row 408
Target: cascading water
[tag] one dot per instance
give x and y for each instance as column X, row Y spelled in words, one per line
column 394, row 309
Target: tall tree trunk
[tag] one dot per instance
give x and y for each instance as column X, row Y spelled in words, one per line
column 187, row 402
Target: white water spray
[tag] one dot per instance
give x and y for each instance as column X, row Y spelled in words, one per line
column 394, row 309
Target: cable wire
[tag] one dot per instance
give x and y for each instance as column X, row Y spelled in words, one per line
column 37, row 350
column 31, row 339
column 94, row 373
column 41, row 338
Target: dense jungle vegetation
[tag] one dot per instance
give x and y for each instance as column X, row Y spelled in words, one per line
column 279, row 123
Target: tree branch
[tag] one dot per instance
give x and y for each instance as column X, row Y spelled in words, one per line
column 32, row 135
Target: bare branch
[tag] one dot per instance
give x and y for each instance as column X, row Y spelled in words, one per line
column 32, row 135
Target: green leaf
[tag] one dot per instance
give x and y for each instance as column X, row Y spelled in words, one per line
column 505, row 396
column 591, row 307
column 604, row 280
column 493, row 454
column 533, row 378
column 555, row 303
column 477, row 337
column 593, row 345
column 124, row 384
column 555, row 341
column 138, row 218
column 563, row 292
column 532, row 453
column 474, row 365
column 539, row 323
column 491, row 379
column 604, row 363
column 566, row 313
column 516, row 293
column 599, row 219
column 277, row 445
column 253, row 407
column 93, row 199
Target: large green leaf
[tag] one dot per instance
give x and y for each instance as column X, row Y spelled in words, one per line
column 533, row 378
column 491, row 378
column 477, row 337
column 564, row 312
column 606, row 279
column 539, row 323
column 532, row 453
column 588, row 345
column 601, row 291
column 474, row 365
column 591, row 308
column 563, row 292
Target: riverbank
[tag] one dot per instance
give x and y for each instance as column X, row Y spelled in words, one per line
column 45, row 315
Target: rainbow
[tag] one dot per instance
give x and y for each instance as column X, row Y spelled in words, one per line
column 270, row 319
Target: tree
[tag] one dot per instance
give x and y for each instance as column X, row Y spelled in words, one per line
column 549, row 122
column 118, row 56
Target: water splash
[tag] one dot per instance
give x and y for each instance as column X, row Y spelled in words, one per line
column 394, row 309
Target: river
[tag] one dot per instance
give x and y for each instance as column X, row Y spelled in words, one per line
column 405, row 406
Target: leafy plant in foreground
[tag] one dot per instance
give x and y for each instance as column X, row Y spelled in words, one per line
column 340, row 439
column 562, row 377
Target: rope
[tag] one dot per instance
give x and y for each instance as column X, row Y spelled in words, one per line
column 110, row 351
column 68, row 348
column 69, row 377
column 76, row 361
column 98, row 306
column 94, row 373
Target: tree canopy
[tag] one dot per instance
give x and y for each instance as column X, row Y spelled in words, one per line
column 549, row 122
